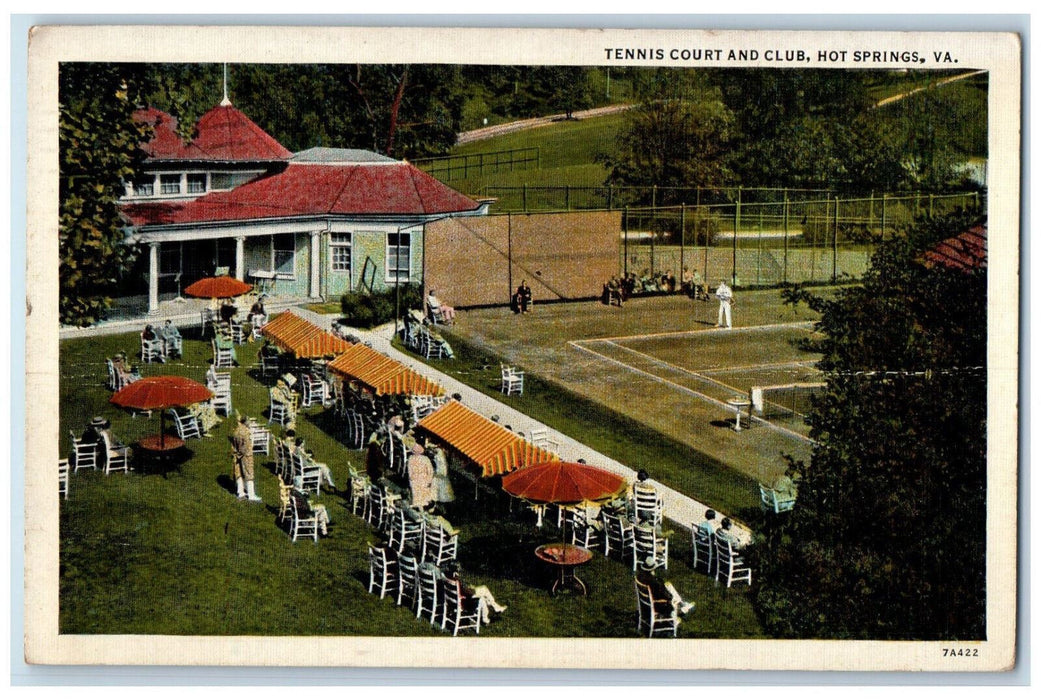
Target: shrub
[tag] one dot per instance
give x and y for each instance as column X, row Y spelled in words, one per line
column 367, row 310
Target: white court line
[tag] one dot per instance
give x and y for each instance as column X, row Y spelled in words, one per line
column 692, row 392
column 695, row 331
column 807, row 364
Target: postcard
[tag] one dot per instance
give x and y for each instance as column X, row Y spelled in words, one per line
column 522, row 348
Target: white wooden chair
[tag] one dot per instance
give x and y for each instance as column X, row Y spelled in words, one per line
column 84, row 454
column 541, row 437
column 460, row 611
column 153, row 350
column 279, row 412
column 257, row 323
column 428, row 592
column 305, row 520
column 406, row 530
column 647, row 504
column 187, row 425
column 117, row 456
column 222, row 357
column 408, row 579
column 261, row 438
column 774, row 500
column 63, row 478
column 307, row 471
column 439, row 545
column 360, row 485
column 730, row 565
column 704, row 554
column 654, row 616
column 618, row 534
column 512, row 380
column 314, row 393
column 650, row 549
column 383, row 574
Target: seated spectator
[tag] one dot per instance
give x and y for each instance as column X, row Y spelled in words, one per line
column 521, row 299
column 228, row 311
column 206, row 415
column 726, row 533
column 308, row 456
column 258, row 308
column 785, row 488
column 437, row 307
column 420, row 478
column 698, row 287
column 171, row 337
column 149, row 333
column 91, row 434
column 668, row 282
column 124, row 372
column 306, row 508
column 708, row 525
column 115, row 445
column 485, row 600
column 282, row 394
column 374, row 459
column 687, row 282
column 614, row 290
column 667, row 599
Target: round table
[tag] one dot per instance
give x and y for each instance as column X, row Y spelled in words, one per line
column 163, row 449
column 566, row 557
column 738, row 403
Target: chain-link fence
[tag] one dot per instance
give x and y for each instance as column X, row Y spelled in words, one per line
column 771, row 243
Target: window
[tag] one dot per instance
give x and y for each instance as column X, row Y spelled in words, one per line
column 196, row 183
column 226, row 181
column 144, row 188
column 283, row 253
column 399, row 257
column 169, row 184
column 340, row 252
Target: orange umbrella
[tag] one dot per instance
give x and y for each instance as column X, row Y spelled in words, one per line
column 217, row 288
column 563, row 483
column 160, row 393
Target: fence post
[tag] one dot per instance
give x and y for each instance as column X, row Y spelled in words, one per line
column 625, row 241
column 567, row 197
column 509, row 256
column 759, row 251
column 654, row 197
column 683, row 236
column 784, row 272
column 538, row 157
column 733, row 249
column 883, row 231
column 610, row 197
column 835, row 244
column 524, row 197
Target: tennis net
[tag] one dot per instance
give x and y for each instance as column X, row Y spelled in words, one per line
column 783, row 400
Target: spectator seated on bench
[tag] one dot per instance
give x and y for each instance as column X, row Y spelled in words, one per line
column 614, row 292
column 439, row 312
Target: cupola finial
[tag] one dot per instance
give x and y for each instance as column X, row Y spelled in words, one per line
column 225, row 102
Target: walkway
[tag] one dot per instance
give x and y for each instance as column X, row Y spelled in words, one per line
column 679, row 508
column 488, row 132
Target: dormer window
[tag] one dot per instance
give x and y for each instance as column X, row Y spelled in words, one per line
column 196, row 183
column 144, row 189
column 170, row 184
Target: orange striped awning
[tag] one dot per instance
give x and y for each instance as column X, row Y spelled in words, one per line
column 495, row 449
column 303, row 338
column 382, row 374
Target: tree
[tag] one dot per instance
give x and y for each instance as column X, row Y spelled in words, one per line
column 98, row 152
column 566, row 88
column 887, row 538
column 673, row 143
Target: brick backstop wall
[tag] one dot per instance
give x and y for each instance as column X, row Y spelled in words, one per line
column 480, row 261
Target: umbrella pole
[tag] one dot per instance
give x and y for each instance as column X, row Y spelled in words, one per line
column 162, row 429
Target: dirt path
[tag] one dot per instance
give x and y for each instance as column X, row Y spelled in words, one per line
column 488, row 132
column 945, row 81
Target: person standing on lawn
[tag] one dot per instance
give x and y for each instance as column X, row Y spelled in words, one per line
column 242, row 450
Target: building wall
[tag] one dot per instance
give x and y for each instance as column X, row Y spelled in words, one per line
column 479, row 261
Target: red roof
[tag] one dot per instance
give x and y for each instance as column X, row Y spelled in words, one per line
column 967, row 251
column 222, row 134
column 312, row 189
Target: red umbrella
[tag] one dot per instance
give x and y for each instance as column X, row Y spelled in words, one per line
column 217, row 288
column 160, row 393
column 563, row 483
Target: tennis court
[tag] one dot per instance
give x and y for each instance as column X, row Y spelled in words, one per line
column 660, row 361
column 719, row 365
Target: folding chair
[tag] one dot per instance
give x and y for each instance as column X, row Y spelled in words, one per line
column 730, row 565
column 305, row 520
column 187, row 425
column 460, row 611
column 117, row 456
column 84, row 454
column 382, row 571
column 649, row 546
column 654, row 615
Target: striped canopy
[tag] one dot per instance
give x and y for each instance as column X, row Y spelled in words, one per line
column 303, row 338
column 382, row 374
column 495, row 449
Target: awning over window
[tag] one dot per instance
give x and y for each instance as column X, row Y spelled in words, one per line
column 381, row 374
column 303, row 338
column 495, row 449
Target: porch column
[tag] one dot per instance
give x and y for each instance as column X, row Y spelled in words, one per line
column 153, row 278
column 316, row 268
column 240, row 257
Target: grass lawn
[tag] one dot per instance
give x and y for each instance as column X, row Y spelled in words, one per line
column 568, row 154
column 177, row 554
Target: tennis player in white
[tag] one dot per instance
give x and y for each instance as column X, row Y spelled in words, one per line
column 726, row 297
